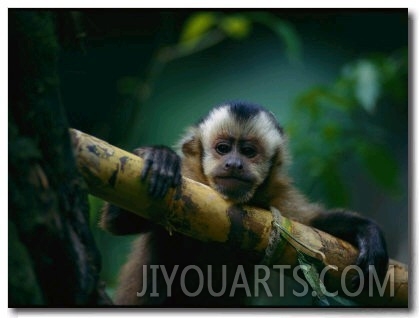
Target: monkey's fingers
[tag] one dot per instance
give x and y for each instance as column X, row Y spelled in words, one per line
column 163, row 188
column 176, row 181
column 140, row 152
column 177, row 178
column 169, row 173
column 372, row 261
column 176, row 169
column 157, row 174
column 148, row 162
column 162, row 183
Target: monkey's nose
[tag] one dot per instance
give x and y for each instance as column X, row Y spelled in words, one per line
column 235, row 164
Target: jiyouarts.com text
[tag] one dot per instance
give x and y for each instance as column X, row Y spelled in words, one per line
column 259, row 280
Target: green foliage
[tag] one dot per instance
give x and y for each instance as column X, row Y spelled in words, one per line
column 209, row 28
column 236, row 26
column 341, row 121
column 95, row 205
column 197, row 26
column 366, row 83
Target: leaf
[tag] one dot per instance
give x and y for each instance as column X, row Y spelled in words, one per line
column 95, row 205
column 311, row 267
column 367, row 85
column 290, row 37
column 381, row 165
column 307, row 265
column 196, row 26
column 308, row 102
column 331, row 132
column 236, row 27
column 320, row 94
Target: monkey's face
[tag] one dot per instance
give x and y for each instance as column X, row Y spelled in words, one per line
column 235, row 167
column 238, row 152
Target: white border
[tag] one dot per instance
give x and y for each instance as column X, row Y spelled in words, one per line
column 285, row 313
column 209, row 4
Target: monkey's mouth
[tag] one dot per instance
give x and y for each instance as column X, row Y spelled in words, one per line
column 237, row 189
column 233, row 183
column 232, row 179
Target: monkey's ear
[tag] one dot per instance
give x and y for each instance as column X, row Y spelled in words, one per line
column 191, row 147
column 190, row 144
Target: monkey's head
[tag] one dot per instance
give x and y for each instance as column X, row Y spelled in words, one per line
column 237, row 145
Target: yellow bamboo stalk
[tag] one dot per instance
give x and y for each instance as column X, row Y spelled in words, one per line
column 201, row 213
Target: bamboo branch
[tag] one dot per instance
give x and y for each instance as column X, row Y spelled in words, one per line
column 201, row 213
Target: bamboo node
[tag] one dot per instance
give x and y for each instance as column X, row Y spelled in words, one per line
column 276, row 241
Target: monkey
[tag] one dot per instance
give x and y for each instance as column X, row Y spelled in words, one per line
column 240, row 150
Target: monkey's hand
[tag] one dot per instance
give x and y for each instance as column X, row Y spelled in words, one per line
column 364, row 234
column 162, row 168
column 373, row 253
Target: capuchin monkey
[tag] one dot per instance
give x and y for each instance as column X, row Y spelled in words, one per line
column 239, row 150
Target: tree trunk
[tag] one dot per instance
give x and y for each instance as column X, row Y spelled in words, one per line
column 53, row 260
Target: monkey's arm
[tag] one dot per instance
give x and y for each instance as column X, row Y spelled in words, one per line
column 162, row 169
column 361, row 232
column 122, row 222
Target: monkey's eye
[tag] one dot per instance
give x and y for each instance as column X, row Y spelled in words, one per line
column 249, row 152
column 223, row 148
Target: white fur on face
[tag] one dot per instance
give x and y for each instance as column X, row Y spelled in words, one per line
column 221, row 122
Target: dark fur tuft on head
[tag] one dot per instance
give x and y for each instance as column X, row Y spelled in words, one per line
column 243, row 111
